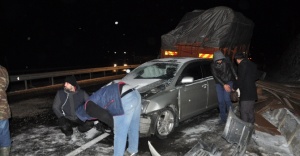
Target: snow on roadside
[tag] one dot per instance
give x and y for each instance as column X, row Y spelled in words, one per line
column 43, row 140
column 261, row 144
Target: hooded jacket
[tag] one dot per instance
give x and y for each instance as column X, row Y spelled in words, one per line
column 66, row 102
column 224, row 72
column 108, row 98
column 4, row 82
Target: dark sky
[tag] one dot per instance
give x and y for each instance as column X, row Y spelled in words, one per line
column 42, row 34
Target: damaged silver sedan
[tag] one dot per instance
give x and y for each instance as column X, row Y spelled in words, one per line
column 173, row 90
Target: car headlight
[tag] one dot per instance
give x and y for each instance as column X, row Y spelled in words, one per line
column 145, row 104
column 153, row 91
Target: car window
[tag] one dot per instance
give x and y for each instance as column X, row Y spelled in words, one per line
column 155, row 71
column 206, row 70
column 193, row 70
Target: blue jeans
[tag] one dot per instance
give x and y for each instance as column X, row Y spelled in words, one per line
column 4, row 134
column 224, row 101
column 128, row 124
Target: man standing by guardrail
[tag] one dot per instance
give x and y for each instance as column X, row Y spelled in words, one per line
column 65, row 104
column 5, row 140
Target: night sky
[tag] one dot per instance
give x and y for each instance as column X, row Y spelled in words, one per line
column 61, row 34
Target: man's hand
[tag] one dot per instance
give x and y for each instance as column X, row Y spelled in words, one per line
column 227, row 88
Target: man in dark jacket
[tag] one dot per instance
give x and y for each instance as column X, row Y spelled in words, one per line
column 247, row 75
column 224, row 75
column 66, row 102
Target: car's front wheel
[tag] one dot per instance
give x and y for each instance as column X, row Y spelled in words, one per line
column 165, row 123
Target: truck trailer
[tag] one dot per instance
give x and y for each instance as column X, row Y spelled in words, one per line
column 202, row 32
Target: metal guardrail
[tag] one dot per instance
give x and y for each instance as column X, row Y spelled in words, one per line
column 52, row 75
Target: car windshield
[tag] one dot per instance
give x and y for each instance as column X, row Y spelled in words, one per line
column 154, row 70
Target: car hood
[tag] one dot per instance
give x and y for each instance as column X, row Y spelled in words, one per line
column 143, row 85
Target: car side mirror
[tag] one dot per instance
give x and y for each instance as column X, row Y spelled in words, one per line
column 187, row 79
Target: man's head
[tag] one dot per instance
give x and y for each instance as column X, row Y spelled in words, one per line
column 218, row 56
column 239, row 56
column 70, row 83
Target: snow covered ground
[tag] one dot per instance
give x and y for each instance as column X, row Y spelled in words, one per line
column 48, row 140
column 43, row 140
column 35, row 133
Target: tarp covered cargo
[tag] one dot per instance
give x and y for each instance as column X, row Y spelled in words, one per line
column 218, row 27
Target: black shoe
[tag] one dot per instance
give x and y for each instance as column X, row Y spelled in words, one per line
column 99, row 127
column 85, row 126
column 109, row 131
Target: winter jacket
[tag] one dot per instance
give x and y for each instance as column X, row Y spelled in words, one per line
column 224, row 72
column 4, row 82
column 66, row 103
column 247, row 76
column 107, row 97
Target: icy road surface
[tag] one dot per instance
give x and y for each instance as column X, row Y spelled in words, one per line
column 35, row 133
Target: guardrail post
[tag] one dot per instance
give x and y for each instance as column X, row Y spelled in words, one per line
column 52, row 81
column 26, row 86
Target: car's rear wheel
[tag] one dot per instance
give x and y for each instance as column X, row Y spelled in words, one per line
column 165, row 123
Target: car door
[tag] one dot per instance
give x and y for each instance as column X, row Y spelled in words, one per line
column 192, row 97
column 212, row 100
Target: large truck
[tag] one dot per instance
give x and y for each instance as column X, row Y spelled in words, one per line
column 202, row 32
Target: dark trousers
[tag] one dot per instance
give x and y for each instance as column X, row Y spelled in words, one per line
column 247, row 111
column 66, row 125
column 101, row 114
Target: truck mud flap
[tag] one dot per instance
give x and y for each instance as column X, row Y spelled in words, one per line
column 237, row 132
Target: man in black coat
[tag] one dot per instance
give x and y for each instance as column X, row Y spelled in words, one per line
column 247, row 76
column 66, row 101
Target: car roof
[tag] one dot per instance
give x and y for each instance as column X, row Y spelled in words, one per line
column 179, row 60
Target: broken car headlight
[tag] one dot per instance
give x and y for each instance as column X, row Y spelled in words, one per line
column 145, row 104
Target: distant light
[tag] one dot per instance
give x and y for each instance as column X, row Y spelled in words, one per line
column 115, row 52
column 28, row 38
column 125, row 64
column 115, row 65
column 116, row 22
column 127, row 70
column 124, row 52
column 18, row 78
column 79, row 28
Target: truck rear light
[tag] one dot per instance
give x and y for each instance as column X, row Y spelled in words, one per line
column 171, row 53
column 201, row 55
